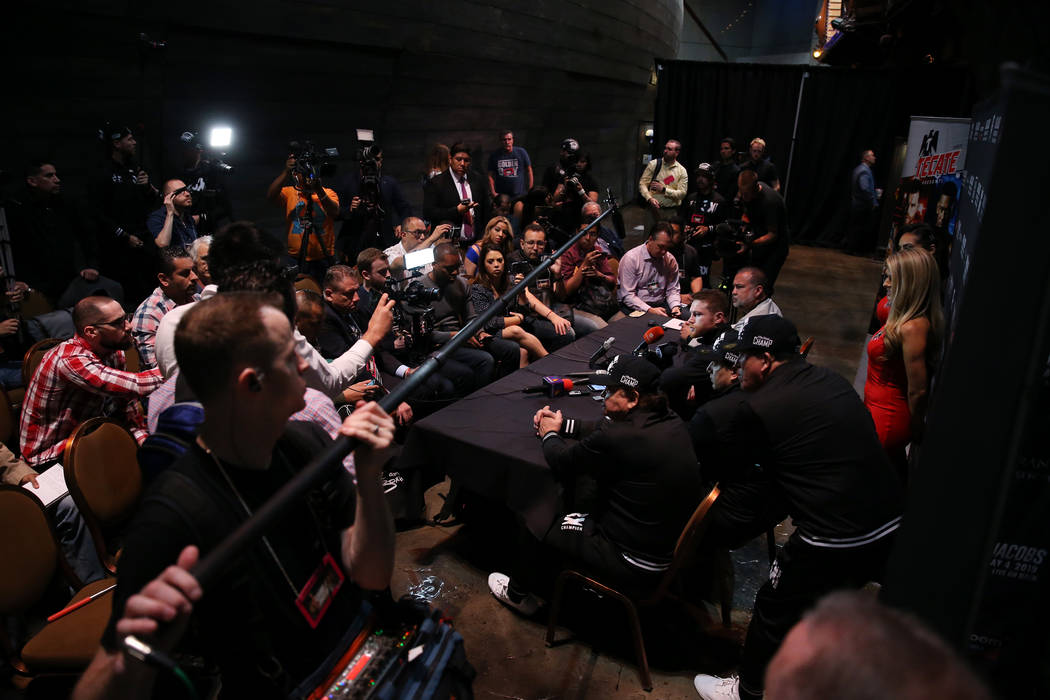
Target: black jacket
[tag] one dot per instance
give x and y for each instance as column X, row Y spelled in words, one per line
column 443, row 194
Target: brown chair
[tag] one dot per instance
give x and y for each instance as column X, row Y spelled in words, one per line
column 67, row 645
column 304, row 281
column 132, row 359
column 34, row 304
column 8, row 418
column 102, row 472
column 33, row 357
column 683, row 553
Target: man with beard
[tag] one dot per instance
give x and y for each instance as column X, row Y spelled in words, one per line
column 702, row 211
column 82, row 378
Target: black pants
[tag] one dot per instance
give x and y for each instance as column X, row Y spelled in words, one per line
column 800, row 576
column 545, row 333
column 675, row 383
column 507, row 355
column 861, row 231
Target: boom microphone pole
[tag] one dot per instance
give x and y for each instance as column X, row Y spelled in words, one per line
column 251, row 529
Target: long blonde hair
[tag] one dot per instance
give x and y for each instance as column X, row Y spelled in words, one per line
column 915, row 292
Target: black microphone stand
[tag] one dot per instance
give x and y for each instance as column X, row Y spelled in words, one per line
column 208, row 569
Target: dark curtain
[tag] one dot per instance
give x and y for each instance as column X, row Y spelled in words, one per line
column 843, row 111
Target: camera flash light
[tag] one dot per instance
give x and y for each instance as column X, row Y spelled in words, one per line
column 221, row 137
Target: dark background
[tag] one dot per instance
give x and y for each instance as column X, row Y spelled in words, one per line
column 843, row 111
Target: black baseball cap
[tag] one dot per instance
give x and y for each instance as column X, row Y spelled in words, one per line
column 773, row 334
column 570, row 145
column 630, row 372
column 705, row 169
column 723, row 350
column 111, row 131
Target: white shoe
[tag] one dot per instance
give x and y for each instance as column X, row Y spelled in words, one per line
column 715, row 688
column 499, row 583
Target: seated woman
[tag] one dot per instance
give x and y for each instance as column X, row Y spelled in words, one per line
column 490, row 282
column 901, row 354
column 499, row 233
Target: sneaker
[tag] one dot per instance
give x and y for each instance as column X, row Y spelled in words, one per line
column 715, row 688
column 499, row 584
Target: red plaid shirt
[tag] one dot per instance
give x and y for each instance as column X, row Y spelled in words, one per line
column 74, row 384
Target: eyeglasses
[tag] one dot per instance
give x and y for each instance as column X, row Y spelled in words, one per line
column 117, row 322
column 421, row 233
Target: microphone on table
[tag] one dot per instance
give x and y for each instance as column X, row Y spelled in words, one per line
column 551, row 386
column 648, row 338
column 601, row 351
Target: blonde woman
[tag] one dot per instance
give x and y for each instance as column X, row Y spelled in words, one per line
column 498, row 233
column 902, row 353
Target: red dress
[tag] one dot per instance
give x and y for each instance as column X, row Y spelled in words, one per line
column 886, row 396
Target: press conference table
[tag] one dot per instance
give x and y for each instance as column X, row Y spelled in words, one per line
column 486, row 441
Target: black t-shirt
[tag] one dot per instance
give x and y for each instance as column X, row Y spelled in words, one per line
column 766, row 171
column 816, row 440
column 249, row 612
column 569, row 211
column 689, row 268
column 647, row 476
column 767, row 212
column 704, row 210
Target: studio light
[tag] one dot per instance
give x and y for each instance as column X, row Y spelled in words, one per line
column 221, row 137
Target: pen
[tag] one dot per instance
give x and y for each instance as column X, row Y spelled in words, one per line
column 80, row 603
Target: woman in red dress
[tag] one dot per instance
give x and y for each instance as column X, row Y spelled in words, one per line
column 901, row 354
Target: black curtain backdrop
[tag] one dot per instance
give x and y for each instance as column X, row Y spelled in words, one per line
column 843, row 111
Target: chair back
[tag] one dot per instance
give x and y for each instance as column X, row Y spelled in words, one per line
column 33, row 357
column 34, row 304
column 132, row 359
column 806, row 347
column 103, row 476
column 28, row 550
column 8, row 417
column 687, row 541
column 304, row 281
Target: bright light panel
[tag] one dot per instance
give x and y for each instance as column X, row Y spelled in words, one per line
column 221, row 137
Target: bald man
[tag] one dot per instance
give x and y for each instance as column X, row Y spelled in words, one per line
column 172, row 224
column 413, row 234
column 84, row 377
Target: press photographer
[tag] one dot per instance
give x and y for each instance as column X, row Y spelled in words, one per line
column 310, row 208
column 570, row 187
column 205, row 173
column 372, row 203
column 764, row 207
column 554, row 326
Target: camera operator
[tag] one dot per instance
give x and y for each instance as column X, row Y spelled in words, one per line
column 206, row 180
column 459, row 195
column 413, row 234
column 453, row 310
column 371, row 205
column 310, row 210
column 554, row 327
column 765, row 209
column 569, row 188
column 122, row 197
column 703, row 211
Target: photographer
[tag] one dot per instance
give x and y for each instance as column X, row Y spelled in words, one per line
column 588, row 278
column 703, row 211
column 768, row 216
column 413, row 234
column 310, row 210
column 550, row 321
column 206, row 180
column 459, row 195
column 569, row 187
column 371, row 205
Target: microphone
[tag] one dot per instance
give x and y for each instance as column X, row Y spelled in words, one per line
column 551, row 386
column 601, row 351
column 648, row 338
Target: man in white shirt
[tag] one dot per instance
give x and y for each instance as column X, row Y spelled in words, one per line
column 750, row 297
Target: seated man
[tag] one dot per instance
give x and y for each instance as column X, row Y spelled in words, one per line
column 177, row 286
column 238, row 356
column 82, row 378
column 688, row 385
column 309, row 314
column 751, row 297
column 374, row 271
column 412, row 234
column 648, row 276
column 820, row 457
column 588, row 278
column 199, row 254
column 555, row 328
column 645, row 470
column 173, row 224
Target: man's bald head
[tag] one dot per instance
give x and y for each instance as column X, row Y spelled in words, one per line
column 92, row 310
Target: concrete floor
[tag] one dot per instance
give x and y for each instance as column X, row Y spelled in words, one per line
column 829, row 295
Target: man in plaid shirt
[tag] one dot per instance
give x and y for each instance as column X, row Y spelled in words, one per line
column 82, row 378
column 177, row 286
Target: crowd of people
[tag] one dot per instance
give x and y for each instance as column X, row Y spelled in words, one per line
column 284, row 344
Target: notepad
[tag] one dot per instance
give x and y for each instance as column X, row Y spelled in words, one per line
column 674, row 324
column 52, row 485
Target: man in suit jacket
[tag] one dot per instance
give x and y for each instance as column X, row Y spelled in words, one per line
column 443, row 200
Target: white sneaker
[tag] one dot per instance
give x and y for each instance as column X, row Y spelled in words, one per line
column 715, row 688
column 499, row 583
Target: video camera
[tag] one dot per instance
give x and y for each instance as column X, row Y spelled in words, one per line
column 412, row 328
column 730, row 234
column 312, row 162
column 193, row 139
column 368, row 158
column 415, row 293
